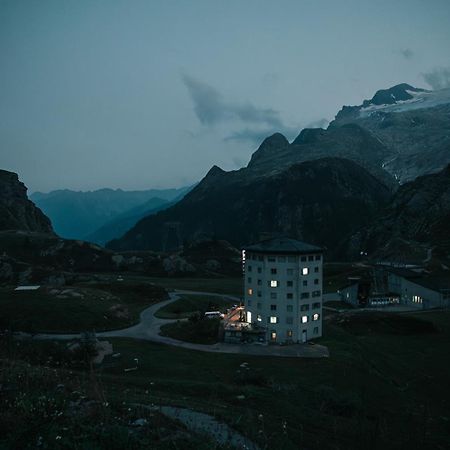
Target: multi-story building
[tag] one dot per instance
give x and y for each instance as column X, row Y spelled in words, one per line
column 283, row 289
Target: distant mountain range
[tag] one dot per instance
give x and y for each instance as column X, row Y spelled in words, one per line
column 323, row 186
column 101, row 215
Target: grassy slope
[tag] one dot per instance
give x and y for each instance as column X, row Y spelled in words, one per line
column 372, row 386
column 188, row 304
column 34, row 311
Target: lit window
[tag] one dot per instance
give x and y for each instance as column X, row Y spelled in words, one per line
column 273, row 283
column 417, row 299
column 250, row 291
column 289, row 333
column 258, row 318
column 249, row 317
column 316, row 316
column 304, row 319
column 273, row 336
column 305, row 271
column 273, row 319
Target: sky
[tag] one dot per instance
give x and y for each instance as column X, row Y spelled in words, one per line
column 137, row 94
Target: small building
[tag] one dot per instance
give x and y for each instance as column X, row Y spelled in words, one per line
column 419, row 289
column 283, row 290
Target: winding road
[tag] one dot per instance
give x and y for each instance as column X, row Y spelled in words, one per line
column 149, row 327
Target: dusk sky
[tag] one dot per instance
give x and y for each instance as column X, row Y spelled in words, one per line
column 143, row 94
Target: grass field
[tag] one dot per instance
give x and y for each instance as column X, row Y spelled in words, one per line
column 204, row 331
column 76, row 308
column 189, row 304
column 229, row 286
column 373, row 385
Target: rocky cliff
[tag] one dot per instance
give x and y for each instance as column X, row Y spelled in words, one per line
column 16, row 211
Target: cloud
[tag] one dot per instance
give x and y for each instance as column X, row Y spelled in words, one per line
column 407, row 53
column 256, row 136
column 210, row 107
column 438, row 78
column 320, row 123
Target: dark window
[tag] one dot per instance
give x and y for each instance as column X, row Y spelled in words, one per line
column 316, row 305
column 259, row 282
column 259, row 294
column 289, row 295
column 249, row 279
column 316, row 269
column 304, row 308
column 249, row 268
column 317, row 257
column 273, row 307
column 290, row 283
column 273, row 295
column 289, row 308
column 316, row 281
column 305, row 295
column 271, row 259
column 310, row 258
column 259, row 269
column 305, row 282
column 303, row 258
column 273, row 271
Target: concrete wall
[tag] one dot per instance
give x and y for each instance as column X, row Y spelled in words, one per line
column 295, row 298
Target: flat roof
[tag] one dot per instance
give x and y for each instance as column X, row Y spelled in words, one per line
column 282, row 245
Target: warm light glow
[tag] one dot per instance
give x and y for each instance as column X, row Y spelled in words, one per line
column 417, row 299
column 273, row 336
column 273, row 283
column 249, row 317
column 316, row 316
column 273, row 319
column 250, row 291
column 305, row 271
column 258, row 318
column 304, row 319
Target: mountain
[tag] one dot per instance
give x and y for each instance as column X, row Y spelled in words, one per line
column 123, row 222
column 16, row 211
column 412, row 125
column 415, row 225
column 76, row 215
column 302, row 201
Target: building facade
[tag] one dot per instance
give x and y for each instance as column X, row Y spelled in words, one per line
column 283, row 289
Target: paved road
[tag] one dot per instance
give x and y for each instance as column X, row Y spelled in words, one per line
column 149, row 326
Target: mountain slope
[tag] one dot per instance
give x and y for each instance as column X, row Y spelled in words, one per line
column 16, row 211
column 303, row 200
column 416, row 220
column 75, row 215
column 414, row 128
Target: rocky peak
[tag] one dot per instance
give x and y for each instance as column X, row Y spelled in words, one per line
column 269, row 147
column 16, row 211
column 309, row 136
column 400, row 92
